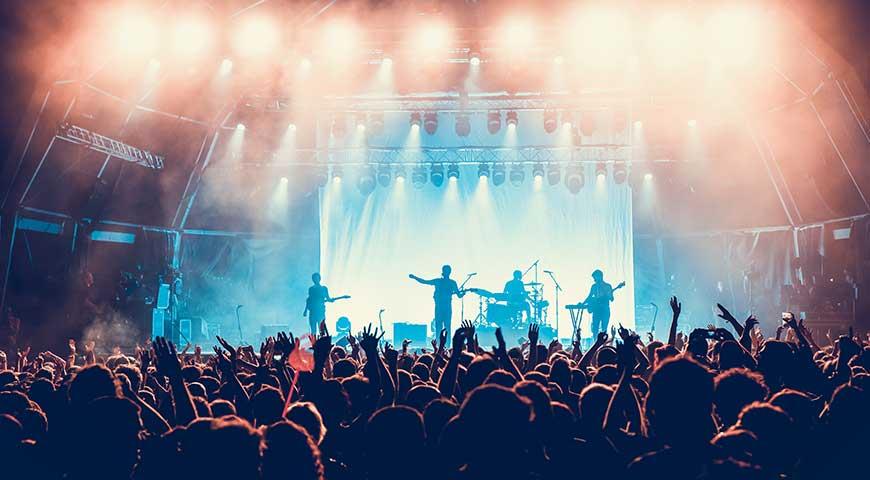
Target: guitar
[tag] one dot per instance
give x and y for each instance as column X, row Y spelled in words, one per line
column 596, row 303
column 309, row 305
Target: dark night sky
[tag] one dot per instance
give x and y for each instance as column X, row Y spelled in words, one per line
column 845, row 24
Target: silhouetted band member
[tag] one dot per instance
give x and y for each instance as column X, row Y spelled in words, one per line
column 315, row 304
column 517, row 296
column 598, row 303
column 445, row 288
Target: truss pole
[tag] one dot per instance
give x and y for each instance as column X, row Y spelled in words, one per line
column 8, row 263
column 770, row 175
column 26, row 147
column 36, row 172
column 840, row 156
column 853, row 110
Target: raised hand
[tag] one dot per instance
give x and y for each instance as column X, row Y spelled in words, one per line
column 750, row 323
column 390, row 353
column 145, row 359
column 405, row 344
column 72, row 346
column 602, row 338
column 469, row 328
column 285, row 343
column 534, row 331
column 501, row 347
column 167, row 358
column 724, row 314
column 369, row 340
column 676, row 306
column 649, row 337
column 442, row 340
column 224, row 364
column 233, row 353
column 322, row 329
column 624, row 333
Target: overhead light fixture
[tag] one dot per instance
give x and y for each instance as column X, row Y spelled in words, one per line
column 416, row 120
column 567, row 119
column 483, row 170
column 436, row 174
column 493, row 122
column 400, row 173
column 384, row 175
column 361, row 121
column 366, row 181
column 337, row 173
column 517, row 175
column 498, row 174
column 601, row 170
column 554, row 174
column 376, row 123
column 453, row 171
column 619, row 173
column 418, row 176
column 430, row 122
column 512, row 118
column 574, row 178
column 538, row 171
column 550, row 121
column 463, row 125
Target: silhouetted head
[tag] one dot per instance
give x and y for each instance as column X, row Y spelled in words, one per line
column 445, row 271
column 315, row 277
column 518, row 275
column 287, row 445
column 598, row 276
column 306, row 415
column 435, row 417
column 679, row 405
column 401, row 456
column 92, row 382
column 267, row 405
column 736, row 388
column 227, row 447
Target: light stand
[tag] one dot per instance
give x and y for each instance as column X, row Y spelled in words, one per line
column 558, row 289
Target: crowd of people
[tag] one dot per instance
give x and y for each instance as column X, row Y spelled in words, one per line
column 714, row 403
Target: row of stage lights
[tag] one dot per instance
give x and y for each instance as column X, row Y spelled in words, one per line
column 575, row 178
column 428, row 121
column 728, row 31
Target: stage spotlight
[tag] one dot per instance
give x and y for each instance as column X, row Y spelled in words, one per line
column 256, row 36
column 474, row 59
column 337, row 174
column 463, row 125
column 361, row 121
column 191, row 36
column 692, row 123
column 339, row 126
column 550, row 121
column 342, row 38
column 619, row 173
column 453, row 171
column 567, row 119
column 137, row 34
column 574, row 178
column 400, row 174
column 538, row 171
column 387, row 61
column 366, row 181
column 430, row 122
column 493, row 122
column 384, row 175
column 554, row 174
column 418, row 176
column 436, row 174
column 416, row 120
column 601, row 170
column 483, row 170
column 512, row 118
column 498, row 174
column 284, row 180
column 321, row 176
column 226, row 67
column 434, row 36
column 559, row 60
column 648, row 176
column 240, row 127
column 376, row 123
column 517, row 175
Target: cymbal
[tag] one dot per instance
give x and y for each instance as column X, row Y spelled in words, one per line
column 533, row 284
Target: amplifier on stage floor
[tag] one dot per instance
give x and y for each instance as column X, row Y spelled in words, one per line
column 411, row 331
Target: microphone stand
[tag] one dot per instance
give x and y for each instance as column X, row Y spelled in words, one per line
column 462, row 300
column 558, row 289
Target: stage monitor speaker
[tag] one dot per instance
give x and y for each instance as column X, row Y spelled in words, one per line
column 158, row 322
column 410, row 331
column 163, row 296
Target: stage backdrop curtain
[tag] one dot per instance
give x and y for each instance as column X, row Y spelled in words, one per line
column 369, row 244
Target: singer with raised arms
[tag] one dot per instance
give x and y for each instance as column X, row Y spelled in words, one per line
column 445, row 288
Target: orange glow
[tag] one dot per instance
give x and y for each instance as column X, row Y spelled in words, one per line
column 191, row 36
column 434, row 36
column 670, row 40
column 256, row 36
column 340, row 39
column 137, row 34
column 602, row 36
column 735, row 35
column 518, row 32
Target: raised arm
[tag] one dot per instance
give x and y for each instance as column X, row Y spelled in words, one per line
column 421, row 280
column 724, row 314
column 676, row 307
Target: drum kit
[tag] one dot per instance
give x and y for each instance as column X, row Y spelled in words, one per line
column 498, row 309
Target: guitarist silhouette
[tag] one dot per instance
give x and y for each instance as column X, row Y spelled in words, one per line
column 315, row 304
column 598, row 302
